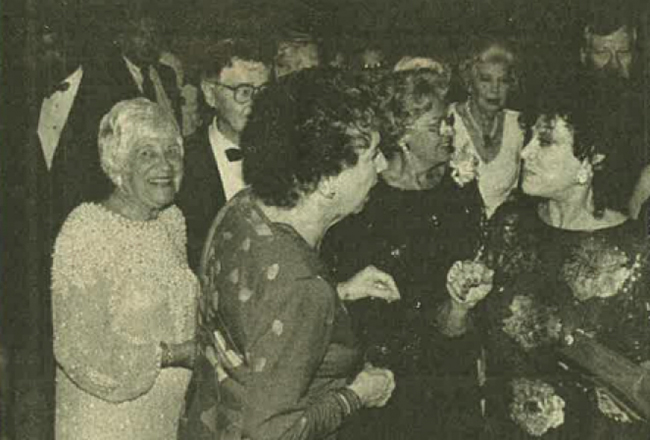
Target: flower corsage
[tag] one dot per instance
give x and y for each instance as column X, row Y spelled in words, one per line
column 536, row 407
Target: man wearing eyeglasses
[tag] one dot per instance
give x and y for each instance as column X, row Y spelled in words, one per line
column 235, row 71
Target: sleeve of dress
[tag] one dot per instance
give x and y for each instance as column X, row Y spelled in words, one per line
column 283, row 360
column 88, row 344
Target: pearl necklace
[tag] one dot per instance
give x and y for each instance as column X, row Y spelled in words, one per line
column 489, row 143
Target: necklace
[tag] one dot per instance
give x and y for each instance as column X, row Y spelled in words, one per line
column 490, row 146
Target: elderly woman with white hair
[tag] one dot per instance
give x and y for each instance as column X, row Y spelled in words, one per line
column 483, row 124
column 124, row 298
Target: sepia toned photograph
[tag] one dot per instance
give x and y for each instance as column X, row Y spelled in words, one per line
column 325, row 220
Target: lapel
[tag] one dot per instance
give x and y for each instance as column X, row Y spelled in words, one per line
column 212, row 172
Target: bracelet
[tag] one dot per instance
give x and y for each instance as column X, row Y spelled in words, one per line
column 343, row 403
column 351, row 398
column 166, row 357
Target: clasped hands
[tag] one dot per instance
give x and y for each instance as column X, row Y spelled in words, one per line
column 468, row 282
column 369, row 283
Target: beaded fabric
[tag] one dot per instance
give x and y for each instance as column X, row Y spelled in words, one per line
column 119, row 288
column 594, row 281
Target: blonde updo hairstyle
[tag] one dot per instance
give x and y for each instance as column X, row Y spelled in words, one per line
column 489, row 51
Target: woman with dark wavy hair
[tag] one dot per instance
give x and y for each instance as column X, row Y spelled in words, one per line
column 278, row 359
column 566, row 325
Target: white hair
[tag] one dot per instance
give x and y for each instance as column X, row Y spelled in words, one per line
column 125, row 123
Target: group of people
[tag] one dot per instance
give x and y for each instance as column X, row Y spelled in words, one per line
column 341, row 251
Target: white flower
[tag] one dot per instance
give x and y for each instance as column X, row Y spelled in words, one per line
column 535, row 406
column 464, row 165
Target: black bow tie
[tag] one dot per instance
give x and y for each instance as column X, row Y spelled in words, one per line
column 59, row 87
column 234, row 154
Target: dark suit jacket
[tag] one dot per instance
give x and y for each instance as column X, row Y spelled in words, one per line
column 121, row 84
column 37, row 202
column 201, row 195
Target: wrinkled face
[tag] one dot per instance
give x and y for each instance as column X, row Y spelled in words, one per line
column 142, row 43
column 491, row 84
column 429, row 139
column 549, row 166
column 612, row 53
column 295, row 55
column 232, row 113
column 154, row 166
column 354, row 183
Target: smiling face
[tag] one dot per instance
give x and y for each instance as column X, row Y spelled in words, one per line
column 549, row 165
column 154, row 166
column 491, row 83
column 429, row 139
column 354, row 183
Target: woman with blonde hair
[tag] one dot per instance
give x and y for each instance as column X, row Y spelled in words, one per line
column 483, row 123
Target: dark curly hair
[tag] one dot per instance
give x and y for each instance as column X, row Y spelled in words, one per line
column 596, row 131
column 404, row 97
column 308, row 125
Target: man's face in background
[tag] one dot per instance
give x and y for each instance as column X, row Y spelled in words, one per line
column 612, row 54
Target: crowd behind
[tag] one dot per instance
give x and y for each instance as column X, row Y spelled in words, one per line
column 303, row 240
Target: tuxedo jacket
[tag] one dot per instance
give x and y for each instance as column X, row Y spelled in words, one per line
column 201, row 195
column 121, row 84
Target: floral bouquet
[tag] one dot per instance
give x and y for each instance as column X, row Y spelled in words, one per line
column 532, row 325
column 464, row 165
column 536, row 407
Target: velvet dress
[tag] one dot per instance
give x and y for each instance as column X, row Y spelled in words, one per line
column 414, row 235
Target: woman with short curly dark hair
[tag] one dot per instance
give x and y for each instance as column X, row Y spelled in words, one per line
column 279, row 345
column 567, row 266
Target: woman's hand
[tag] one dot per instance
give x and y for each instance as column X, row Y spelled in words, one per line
column 369, row 283
column 374, row 386
column 468, row 282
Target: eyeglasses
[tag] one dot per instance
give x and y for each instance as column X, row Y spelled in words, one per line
column 242, row 93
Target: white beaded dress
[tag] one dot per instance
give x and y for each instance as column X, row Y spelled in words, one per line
column 119, row 288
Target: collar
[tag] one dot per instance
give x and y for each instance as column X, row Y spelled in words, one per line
column 131, row 65
column 221, row 142
column 75, row 76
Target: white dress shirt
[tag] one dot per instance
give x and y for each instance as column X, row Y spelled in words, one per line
column 161, row 95
column 54, row 115
column 231, row 173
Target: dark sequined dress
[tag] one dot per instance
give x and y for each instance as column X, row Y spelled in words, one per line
column 415, row 236
column 596, row 281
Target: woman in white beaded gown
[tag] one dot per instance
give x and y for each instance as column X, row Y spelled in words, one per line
column 484, row 126
column 124, row 298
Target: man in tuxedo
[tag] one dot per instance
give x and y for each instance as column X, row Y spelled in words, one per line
column 134, row 69
column 55, row 166
column 234, row 72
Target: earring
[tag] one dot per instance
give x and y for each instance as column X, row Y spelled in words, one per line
column 582, row 177
column 118, row 181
